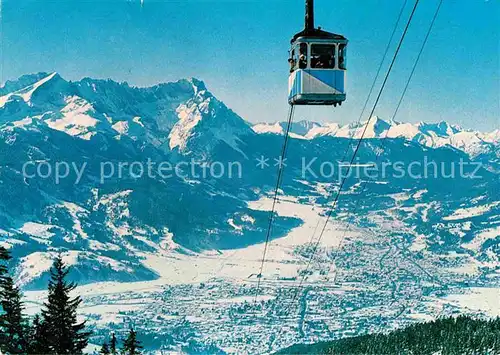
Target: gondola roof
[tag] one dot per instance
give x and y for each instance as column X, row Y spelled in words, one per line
column 317, row 33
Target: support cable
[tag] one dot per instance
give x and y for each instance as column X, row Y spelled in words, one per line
column 383, row 141
column 384, row 138
column 355, row 153
column 275, row 199
column 382, row 146
column 351, row 137
column 330, row 211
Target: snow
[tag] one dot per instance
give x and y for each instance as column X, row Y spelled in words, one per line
column 247, row 218
column 76, row 213
column 4, row 232
column 96, row 245
column 407, row 130
column 376, row 129
column 38, row 230
column 110, row 198
column 180, row 267
column 23, row 123
column 110, row 300
column 26, row 95
column 479, row 299
column 479, row 239
column 130, row 128
column 108, row 118
column 110, row 313
column 428, row 134
column 27, row 92
column 11, row 242
column 238, row 264
column 121, row 127
column 189, row 117
column 322, row 188
column 4, row 99
column 277, row 128
column 92, row 349
column 329, row 129
column 469, row 142
column 470, row 212
column 399, row 197
column 76, row 120
column 176, row 268
column 167, row 242
column 466, row 269
column 232, row 224
column 262, row 128
column 492, row 137
column 422, row 317
column 116, row 207
column 112, row 263
column 419, row 243
column 296, row 136
column 35, row 264
column 417, row 195
column 223, row 126
column 137, row 120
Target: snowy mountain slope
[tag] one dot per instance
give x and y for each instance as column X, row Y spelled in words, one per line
column 27, row 92
column 66, row 123
column 205, row 122
column 11, row 86
column 152, row 244
column 276, row 128
column 297, row 129
column 492, row 137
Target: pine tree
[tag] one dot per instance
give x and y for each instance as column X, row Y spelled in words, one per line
column 38, row 338
column 131, row 346
column 4, row 258
column 105, row 349
column 13, row 327
column 64, row 334
column 112, row 344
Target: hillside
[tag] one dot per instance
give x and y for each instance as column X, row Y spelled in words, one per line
column 460, row 335
column 178, row 251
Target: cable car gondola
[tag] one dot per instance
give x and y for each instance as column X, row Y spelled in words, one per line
column 317, row 65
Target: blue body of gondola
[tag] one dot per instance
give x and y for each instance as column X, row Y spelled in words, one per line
column 310, row 85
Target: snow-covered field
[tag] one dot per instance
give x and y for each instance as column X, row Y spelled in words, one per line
column 479, row 299
column 240, row 265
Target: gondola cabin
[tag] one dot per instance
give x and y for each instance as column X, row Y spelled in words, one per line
column 317, row 65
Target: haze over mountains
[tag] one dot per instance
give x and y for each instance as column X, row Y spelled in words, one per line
column 398, row 246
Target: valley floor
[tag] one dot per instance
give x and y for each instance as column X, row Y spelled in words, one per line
column 362, row 280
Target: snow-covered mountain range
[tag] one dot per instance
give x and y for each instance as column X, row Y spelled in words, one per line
column 178, row 250
column 432, row 135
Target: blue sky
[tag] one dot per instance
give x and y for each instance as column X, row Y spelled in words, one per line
column 239, row 48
